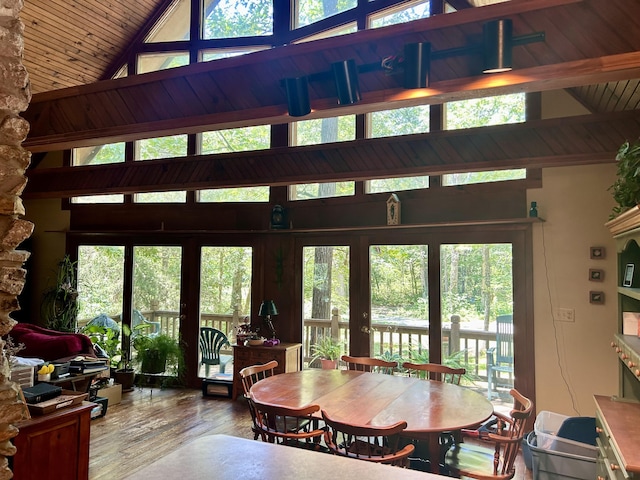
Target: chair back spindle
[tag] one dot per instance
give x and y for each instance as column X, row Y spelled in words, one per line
column 435, row 371
column 369, row 364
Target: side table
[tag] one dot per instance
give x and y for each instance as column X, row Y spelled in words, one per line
column 288, row 356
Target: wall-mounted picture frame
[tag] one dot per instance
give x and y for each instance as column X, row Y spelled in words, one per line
column 597, row 253
column 596, row 275
column 627, row 280
column 596, row 297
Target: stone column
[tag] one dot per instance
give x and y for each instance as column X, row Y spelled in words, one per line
column 15, row 96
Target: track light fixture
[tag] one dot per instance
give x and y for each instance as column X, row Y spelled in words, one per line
column 345, row 76
column 417, row 58
column 497, row 37
column 415, row 64
column 298, row 102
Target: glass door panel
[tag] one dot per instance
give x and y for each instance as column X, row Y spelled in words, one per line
column 100, row 295
column 156, row 290
column 477, row 315
column 100, row 282
column 399, row 303
column 325, row 299
column 225, row 301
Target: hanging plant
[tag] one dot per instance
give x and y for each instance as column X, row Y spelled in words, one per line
column 626, row 188
column 60, row 303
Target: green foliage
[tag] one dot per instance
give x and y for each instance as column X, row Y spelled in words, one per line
column 162, row 147
column 156, row 277
column 421, row 10
column 327, row 348
column 455, row 360
column 109, row 340
column 401, row 121
column 236, row 140
column 311, row 11
column 626, row 188
column 150, row 348
column 239, row 18
column 100, row 280
column 482, row 112
column 59, row 306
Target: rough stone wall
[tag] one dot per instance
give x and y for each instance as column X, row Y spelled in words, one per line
column 15, row 96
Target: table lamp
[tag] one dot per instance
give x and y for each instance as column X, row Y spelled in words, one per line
column 267, row 309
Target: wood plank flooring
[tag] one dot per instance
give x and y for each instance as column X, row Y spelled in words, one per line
column 150, row 423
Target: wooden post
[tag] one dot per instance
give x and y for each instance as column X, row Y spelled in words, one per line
column 335, row 327
column 454, row 336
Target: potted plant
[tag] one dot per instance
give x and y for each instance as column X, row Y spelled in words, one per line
column 626, row 188
column 125, row 374
column 108, row 339
column 328, row 350
column 157, row 351
column 59, row 306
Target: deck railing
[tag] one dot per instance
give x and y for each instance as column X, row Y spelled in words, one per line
column 386, row 339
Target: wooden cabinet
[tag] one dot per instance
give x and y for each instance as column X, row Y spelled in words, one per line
column 288, row 356
column 618, row 426
column 618, row 418
column 54, row 446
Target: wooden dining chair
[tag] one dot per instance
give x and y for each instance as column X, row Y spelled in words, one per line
column 366, row 442
column 288, row 426
column 249, row 376
column 369, row 364
column 435, row 371
column 493, row 457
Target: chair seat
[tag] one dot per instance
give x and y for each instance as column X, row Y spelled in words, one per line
column 474, row 461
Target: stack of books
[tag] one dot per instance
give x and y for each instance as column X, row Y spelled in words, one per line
column 84, row 366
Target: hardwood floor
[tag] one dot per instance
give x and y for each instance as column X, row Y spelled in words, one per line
column 150, row 423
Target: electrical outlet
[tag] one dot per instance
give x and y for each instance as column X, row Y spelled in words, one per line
column 566, row 315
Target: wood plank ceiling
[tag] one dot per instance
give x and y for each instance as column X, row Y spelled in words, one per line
column 591, row 47
column 68, row 43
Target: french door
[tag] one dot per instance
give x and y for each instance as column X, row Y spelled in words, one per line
column 437, row 297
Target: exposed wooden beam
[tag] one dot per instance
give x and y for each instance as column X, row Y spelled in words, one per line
column 536, row 79
column 545, row 143
column 247, row 90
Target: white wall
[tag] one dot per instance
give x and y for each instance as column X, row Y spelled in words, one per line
column 573, row 359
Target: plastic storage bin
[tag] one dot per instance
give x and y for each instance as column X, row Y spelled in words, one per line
column 547, row 428
column 553, row 465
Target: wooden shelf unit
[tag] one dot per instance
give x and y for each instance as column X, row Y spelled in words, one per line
column 618, row 417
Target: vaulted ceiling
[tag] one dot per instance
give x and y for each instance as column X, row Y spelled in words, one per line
column 591, row 48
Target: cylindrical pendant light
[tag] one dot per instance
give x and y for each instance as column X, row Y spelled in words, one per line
column 298, row 102
column 497, row 43
column 417, row 58
column 345, row 75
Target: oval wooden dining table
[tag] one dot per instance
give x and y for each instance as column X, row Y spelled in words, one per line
column 428, row 407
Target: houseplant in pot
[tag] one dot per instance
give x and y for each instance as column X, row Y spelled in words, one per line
column 626, row 188
column 157, row 353
column 124, row 373
column 328, row 350
column 106, row 336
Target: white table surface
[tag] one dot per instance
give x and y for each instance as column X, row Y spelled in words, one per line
column 222, row 457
